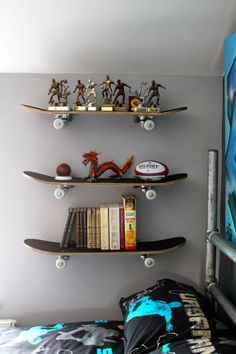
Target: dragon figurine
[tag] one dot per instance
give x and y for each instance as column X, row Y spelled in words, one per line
column 97, row 170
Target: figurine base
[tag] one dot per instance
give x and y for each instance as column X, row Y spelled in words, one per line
column 80, row 108
column 120, row 109
column 93, row 108
column 107, row 108
column 58, row 108
column 153, row 109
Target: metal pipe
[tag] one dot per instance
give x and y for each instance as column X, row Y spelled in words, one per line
column 224, row 246
column 210, row 276
column 226, row 304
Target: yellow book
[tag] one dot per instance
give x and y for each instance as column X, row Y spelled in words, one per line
column 104, row 226
column 129, row 202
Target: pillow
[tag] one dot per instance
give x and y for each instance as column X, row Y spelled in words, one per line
column 100, row 337
column 208, row 346
column 166, row 312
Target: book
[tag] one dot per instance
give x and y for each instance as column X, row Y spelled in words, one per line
column 129, row 203
column 122, row 228
column 93, row 227
column 98, row 229
column 89, row 228
column 104, row 226
column 114, row 226
column 70, row 227
column 62, row 243
column 84, row 228
column 78, row 226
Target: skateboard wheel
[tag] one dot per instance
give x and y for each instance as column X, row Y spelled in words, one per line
column 149, row 124
column 61, row 263
column 58, row 123
column 59, row 193
column 149, row 262
column 150, row 194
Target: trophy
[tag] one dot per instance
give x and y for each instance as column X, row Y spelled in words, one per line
column 120, row 88
column 79, row 106
column 107, row 95
column 137, row 99
column 60, row 91
column 91, row 96
column 153, row 94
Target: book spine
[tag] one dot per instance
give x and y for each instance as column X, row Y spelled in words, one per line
column 104, row 225
column 93, row 227
column 122, row 228
column 89, row 228
column 114, row 226
column 70, row 227
column 62, row 243
column 84, row 223
column 77, row 228
column 98, row 229
column 129, row 203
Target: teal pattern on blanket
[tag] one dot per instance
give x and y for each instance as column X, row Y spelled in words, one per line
column 33, row 335
column 147, row 307
column 104, row 351
column 165, row 349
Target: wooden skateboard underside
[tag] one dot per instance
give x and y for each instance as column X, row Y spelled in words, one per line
column 150, row 247
column 134, row 182
column 127, row 113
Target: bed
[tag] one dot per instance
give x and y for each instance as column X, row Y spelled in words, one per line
column 168, row 317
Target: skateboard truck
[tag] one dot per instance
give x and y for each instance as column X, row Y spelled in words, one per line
column 61, row 262
column 149, row 262
column 61, row 191
column 150, row 193
column 146, row 122
column 60, row 119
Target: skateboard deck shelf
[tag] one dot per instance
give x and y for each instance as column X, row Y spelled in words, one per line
column 132, row 182
column 95, row 113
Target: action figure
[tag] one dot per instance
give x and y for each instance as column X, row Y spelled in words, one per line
column 107, row 90
column 81, row 90
column 154, row 90
column 54, row 91
column 120, row 86
column 91, row 92
column 60, row 90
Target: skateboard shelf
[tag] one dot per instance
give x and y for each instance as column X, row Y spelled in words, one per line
column 95, row 113
column 144, row 249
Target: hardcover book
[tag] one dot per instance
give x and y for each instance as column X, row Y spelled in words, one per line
column 62, row 243
column 104, row 225
column 129, row 203
column 114, row 226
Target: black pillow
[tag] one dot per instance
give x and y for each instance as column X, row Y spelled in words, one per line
column 209, row 346
column 99, row 337
column 166, row 312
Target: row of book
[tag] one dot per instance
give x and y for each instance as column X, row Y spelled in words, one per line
column 108, row 227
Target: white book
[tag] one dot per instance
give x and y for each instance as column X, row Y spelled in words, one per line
column 114, row 226
column 104, row 225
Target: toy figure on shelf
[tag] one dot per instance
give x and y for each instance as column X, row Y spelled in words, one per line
column 97, row 170
column 91, row 96
column 107, row 94
column 153, row 92
column 81, row 90
column 120, row 87
column 60, row 90
column 137, row 99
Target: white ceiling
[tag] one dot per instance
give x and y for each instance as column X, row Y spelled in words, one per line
column 182, row 37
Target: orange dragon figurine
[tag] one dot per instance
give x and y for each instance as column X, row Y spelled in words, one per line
column 97, row 170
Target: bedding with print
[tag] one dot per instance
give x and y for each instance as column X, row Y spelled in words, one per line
column 167, row 312
column 98, row 337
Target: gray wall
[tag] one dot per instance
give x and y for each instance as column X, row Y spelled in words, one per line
column 32, row 289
